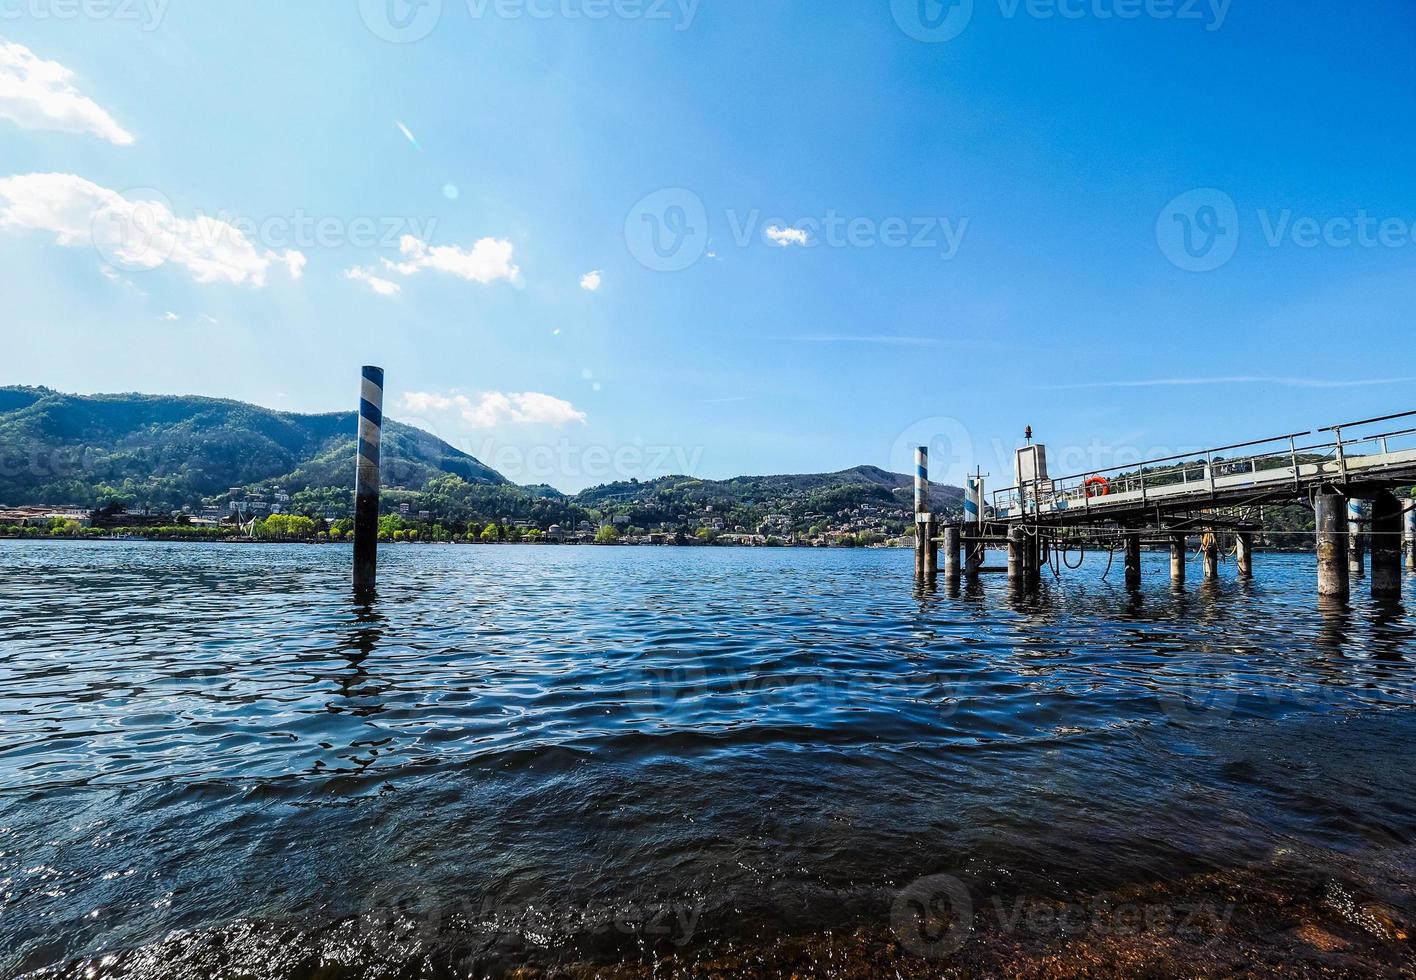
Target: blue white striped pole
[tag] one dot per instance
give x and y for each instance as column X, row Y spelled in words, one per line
column 1356, row 520
column 366, row 480
column 921, row 479
column 971, row 501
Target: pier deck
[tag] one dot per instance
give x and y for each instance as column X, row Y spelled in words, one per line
column 1347, row 473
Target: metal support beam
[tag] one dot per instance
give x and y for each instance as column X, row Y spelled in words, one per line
column 1386, row 547
column 1330, row 514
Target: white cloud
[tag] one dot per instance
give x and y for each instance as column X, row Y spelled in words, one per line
column 493, row 408
column 294, row 263
column 135, row 234
column 171, row 317
column 490, row 259
column 38, row 94
column 383, row 287
column 590, row 282
column 787, row 237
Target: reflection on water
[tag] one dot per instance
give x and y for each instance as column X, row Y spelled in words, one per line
column 519, row 746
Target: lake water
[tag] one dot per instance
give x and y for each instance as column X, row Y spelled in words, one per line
column 212, row 759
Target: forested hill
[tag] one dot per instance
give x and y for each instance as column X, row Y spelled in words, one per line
column 170, row 450
column 165, row 451
column 821, row 491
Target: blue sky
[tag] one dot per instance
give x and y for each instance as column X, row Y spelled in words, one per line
column 1137, row 225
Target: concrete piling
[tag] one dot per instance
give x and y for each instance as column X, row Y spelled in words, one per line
column 1386, row 546
column 1133, row 560
column 931, row 548
column 1209, row 555
column 1330, row 515
column 952, row 539
column 1177, row 559
column 1017, row 558
column 366, row 480
column 1244, row 553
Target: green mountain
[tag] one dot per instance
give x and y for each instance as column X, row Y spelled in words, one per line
column 166, row 450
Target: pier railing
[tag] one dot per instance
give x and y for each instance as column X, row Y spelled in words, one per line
column 1334, row 453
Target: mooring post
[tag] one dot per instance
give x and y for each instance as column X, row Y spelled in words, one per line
column 1133, row 560
column 952, row 535
column 366, row 480
column 974, row 525
column 931, row 547
column 1032, row 555
column 921, row 498
column 1209, row 553
column 1330, row 518
column 1356, row 514
column 1177, row 559
column 1411, row 536
column 1017, row 543
column 973, row 555
column 1386, row 546
column 1244, row 553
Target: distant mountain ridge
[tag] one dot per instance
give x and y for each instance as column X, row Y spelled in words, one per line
column 170, row 450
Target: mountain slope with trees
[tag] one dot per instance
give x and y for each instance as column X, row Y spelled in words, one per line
column 174, row 450
column 162, row 452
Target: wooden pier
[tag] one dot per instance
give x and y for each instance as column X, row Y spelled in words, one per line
column 1349, row 474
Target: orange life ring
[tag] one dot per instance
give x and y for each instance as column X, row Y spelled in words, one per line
column 1097, row 486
